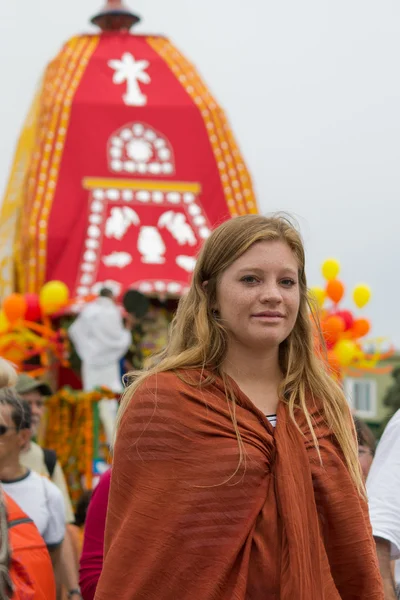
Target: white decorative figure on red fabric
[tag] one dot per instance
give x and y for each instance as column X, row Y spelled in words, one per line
column 120, row 220
column 151, row 246
column 187, row 263
column 117, row 259
column 176, row 224
column 132, row 71
column 139, row 150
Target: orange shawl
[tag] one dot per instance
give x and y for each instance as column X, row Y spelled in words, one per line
column 182, row 525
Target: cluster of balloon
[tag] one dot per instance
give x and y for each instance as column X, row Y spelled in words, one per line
column 342, row 329
column 25, row 324
column 53, row 297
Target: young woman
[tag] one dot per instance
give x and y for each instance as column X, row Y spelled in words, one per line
column 210, row 501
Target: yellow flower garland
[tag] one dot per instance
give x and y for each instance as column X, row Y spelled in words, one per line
column 70, row 433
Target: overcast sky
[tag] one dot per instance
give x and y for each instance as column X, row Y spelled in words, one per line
column 312, row 90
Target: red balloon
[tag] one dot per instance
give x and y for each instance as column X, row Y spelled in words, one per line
column 33, row 311
column 335, row 290
column 14, row 307
column 347, row 318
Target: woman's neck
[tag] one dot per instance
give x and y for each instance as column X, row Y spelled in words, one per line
column 252, row 367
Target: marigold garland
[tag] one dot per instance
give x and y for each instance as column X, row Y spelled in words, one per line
column 70, row 433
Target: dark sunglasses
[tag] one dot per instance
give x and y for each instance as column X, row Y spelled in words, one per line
column 4, row 429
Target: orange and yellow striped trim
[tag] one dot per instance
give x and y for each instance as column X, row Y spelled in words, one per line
column 72, row 61
column 92, row 183
column 235, row 178
column 53, row 81
column 13, row 202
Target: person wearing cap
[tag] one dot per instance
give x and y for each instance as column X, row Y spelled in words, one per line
column 44, row 461
column 38, row 459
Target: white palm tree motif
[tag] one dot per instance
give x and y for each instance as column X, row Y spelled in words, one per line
column 132, row 71
column 178, row 227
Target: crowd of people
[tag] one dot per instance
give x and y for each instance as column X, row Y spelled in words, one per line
column 238, row 471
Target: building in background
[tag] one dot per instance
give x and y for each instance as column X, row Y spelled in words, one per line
column 366, row 394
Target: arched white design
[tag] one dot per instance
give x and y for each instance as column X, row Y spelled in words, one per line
column 137, row 148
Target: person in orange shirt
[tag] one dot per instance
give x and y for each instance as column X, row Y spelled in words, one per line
column 26, row 570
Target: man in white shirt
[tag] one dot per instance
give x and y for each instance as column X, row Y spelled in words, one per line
column 383, row 488
column 101, row 340
column 45, row 463
column 35, row 458
column 40, row 499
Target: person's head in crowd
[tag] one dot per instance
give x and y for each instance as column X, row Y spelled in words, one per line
column 34, row 392
column 106, row 293
column 8, row 376
column 82, row 507
column 15, row 429
column 366, row 445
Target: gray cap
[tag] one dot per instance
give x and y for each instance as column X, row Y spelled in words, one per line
column 26, row 383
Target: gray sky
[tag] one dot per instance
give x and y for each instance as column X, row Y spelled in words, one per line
column 313, row 94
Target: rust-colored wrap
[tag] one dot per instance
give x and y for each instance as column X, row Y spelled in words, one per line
column 182, row 525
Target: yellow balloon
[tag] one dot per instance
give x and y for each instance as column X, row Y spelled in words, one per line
column 318, row 294
column 4, row 324
column 361, row 295
column 359, row 354
column 330, row 269
column 345, row 351
column 54, row 295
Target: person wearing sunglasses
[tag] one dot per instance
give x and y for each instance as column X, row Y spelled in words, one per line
column 38, row 497
column 44, row 461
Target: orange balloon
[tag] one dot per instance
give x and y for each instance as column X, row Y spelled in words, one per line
column 361, row 327
column 348, row 335
column 332, row 327
column 14, row 307
column 335, row 290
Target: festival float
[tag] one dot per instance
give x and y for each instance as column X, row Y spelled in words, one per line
column 124, row 165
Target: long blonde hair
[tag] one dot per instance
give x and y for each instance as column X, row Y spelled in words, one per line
column 198, row 340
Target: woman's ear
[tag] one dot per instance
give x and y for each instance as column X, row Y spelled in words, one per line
column 214, row 308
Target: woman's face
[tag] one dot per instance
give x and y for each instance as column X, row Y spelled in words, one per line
column 365, row 457
column 258, row 296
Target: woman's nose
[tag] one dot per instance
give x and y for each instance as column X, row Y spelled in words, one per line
column 271, row 293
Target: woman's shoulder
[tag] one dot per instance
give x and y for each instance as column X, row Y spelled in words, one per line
column 169, row 394
column 169, row 382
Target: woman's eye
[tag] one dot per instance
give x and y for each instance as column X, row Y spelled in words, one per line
column 249, row 279
column 288, row 282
